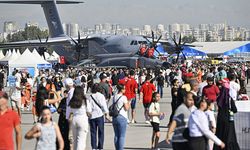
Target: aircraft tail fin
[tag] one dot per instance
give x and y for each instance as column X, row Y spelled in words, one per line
column 50, row 11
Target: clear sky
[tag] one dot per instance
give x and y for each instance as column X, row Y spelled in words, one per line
column 136, row 12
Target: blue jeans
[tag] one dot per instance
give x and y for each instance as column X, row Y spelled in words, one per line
column 97, row 124
column 120, row 127
column 160, row 90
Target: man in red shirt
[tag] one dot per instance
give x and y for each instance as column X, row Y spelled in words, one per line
column 146, row 92
column 143, row 50
column 9, row 120
column 211, row 91
column 131, row 88
column 150, row 52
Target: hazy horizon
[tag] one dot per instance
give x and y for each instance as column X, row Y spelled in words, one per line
column 135, row 13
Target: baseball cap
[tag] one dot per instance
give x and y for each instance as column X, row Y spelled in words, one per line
column 69, row 82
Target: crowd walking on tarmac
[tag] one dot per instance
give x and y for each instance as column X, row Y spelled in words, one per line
column 202, row 118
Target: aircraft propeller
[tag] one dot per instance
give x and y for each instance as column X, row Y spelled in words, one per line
column 179, row 47
column 153, row 43
column 42, row 49
column 79, row 46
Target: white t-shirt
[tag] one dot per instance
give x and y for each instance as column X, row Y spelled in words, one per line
column 16, row 95
column 234, row 89
column 82, row 111
column 120, row 104
column 211, row 118
column 154, row 108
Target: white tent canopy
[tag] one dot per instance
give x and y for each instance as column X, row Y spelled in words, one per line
column 55, row 55
column 18, row 53
column 36, row 53
column 1, row 55
column 8, row 54
column 27, row 59
column 218, row 47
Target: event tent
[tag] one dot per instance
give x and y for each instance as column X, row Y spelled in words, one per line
column 36, row 53
column 241, row 49
column 6, row 58
column 18, row 53
column 1, row 55
column 12, row 57
column 218, row 48
column 189, row 52
column 27, row 59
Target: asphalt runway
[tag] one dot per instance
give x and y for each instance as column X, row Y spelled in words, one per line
column 138, row 136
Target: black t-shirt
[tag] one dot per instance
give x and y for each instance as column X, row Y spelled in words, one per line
column 160, row 80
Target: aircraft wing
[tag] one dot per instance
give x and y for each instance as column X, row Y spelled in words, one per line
column 36, row 43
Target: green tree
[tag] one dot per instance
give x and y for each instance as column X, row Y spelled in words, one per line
column 238, row 39
column 29, row 33
column 189, row 39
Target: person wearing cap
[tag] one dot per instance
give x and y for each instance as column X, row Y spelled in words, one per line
column 104, row 85
column 199, row 131
column 69, row 84
column 9, row 121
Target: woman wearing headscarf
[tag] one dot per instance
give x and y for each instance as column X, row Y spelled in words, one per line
column 225, row 120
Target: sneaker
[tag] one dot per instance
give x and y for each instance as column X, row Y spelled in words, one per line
column 147, row 122
column 133, row 121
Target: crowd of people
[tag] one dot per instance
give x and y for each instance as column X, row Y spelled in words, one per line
column 203, row 105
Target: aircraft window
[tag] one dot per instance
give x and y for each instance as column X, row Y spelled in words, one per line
column 142, row 42
column 135, row 42
column 132, row 43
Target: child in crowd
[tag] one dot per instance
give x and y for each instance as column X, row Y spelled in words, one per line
column 155, row 117
column 34, row 113
column 46, row 132
column 212, row 122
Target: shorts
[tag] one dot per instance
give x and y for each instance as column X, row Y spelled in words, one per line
column 156, row 126
column 16, row 104
column 146, row 105
column 133, row 103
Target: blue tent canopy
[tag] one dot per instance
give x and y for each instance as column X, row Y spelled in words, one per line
column 241, row 49
column 187, row 51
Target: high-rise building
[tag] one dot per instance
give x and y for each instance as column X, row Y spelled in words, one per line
column 174, row 27
column 107, row 27
column 97, row 27
column 247, row 35
column 135, row 31
column 71, row 29
column 160, row 28
column 147, row 29
column 10, row 26
column 184, row 27
column 203, row 26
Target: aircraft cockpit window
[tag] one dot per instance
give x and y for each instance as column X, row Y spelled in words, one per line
column 135, row 42
column 132, row 43
column 142, row 42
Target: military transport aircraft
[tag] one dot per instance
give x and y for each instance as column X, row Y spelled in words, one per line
column 103, row 50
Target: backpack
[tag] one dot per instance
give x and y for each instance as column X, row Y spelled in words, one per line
column 113, row 110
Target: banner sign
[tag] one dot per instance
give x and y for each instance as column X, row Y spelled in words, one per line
column 242, row 124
